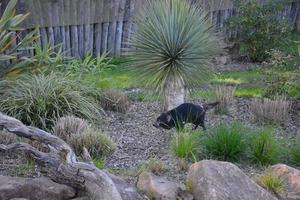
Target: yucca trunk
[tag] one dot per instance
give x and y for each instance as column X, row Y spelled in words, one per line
column 174, row 93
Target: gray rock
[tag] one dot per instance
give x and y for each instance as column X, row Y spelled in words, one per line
column 159, row 188
column 291, row 178
column 127, row 191
column 215, row 180
column 33, row 189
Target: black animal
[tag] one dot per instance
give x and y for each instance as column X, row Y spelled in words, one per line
column 185, row 113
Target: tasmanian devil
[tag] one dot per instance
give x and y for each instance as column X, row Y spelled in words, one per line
column 185, row 113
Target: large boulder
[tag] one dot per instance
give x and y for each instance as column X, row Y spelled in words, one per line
column 33, row 189
column 159, row 188
column 215, row 180
column 291, row 178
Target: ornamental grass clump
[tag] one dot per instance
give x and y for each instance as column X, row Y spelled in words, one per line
column 39, row 100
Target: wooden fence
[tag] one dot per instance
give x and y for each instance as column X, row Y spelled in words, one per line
column 97, row 26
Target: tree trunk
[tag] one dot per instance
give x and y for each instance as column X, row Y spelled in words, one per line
column 174, row 94
column 60, row 163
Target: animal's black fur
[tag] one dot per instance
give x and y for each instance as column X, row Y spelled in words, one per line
column 185, row 113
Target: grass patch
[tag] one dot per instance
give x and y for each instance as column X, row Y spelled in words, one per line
column 264, row 148
column 112, row 78
column 271, row 181
column 184, row 145
column 199, row 94
column 153, row 165
column 99, row 163
column 225, row 142
column 238, row 77
column 248, row 92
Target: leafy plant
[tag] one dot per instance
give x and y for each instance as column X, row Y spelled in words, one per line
column 45, row 59
column 172, row 46
column 185, row 145
column 225, row 142
column 259, row 27
column 88, row 65
column 271, row 181
column 39, row 100
column 10, row 47
column 264, row 148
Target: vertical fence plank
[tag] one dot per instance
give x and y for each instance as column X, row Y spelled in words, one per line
column 104, row 37
column 98, row 37
column 74, row 41
column 118, row 43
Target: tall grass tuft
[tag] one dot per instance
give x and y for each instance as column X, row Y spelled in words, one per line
column 224, row 95
column 115, row 100
column 271, row 181
column 267, row 110
column 264, row 148
column 39, row 100
column 79, row 134
column 225, row 142
column 184, row 145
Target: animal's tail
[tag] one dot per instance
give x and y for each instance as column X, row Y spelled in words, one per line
column 208, row 106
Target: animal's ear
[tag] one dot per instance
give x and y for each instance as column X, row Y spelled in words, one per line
column 169, row 118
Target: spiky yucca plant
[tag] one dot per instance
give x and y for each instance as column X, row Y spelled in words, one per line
column 173, row 44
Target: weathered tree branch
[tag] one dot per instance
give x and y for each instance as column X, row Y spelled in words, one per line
column 60, row 163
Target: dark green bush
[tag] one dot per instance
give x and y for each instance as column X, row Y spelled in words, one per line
column 39, row 100
column 225, row 142
column 264, row 148
column 259, row 27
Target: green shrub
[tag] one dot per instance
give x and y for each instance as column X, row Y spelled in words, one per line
column 295, row 153
column 115, row 100
column 225, row 142
column 259, row 27
column 79, row 134
column 40, row 100
column 271, row 181
column 184, row 145
column 264, row 148
column 89, row 64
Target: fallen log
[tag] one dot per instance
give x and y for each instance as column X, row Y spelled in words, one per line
column 60, row 163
